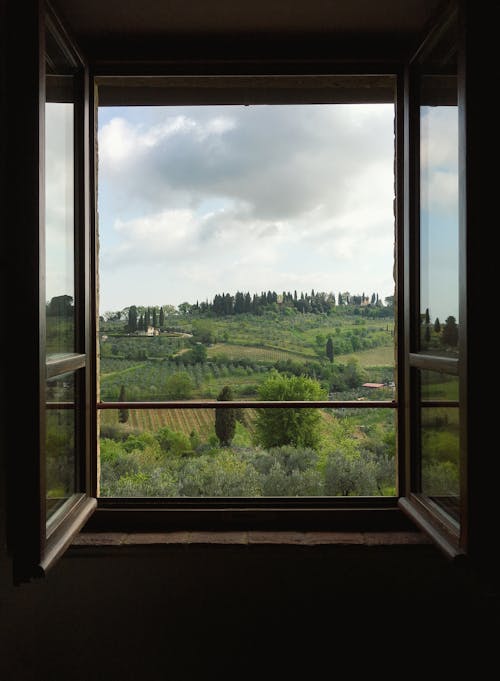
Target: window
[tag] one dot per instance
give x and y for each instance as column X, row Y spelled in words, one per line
column 55, row 379
column 58, row 475
column 436, row 464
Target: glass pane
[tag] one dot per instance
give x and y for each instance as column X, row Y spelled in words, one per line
column 59, row 216
column 61, row 480
column 440, row 441
column 247, row 453
column 439, row 225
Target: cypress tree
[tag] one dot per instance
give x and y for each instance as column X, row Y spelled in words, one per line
column 329, row 348
column 122, row 413
column 225, row 419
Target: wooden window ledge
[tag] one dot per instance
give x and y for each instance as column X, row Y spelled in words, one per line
column 248, row 538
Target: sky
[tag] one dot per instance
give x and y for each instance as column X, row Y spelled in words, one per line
column 59, row 199
column 195, row 201
column 439, row 211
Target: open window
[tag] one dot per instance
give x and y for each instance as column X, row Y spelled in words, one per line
column 436, row 456
column 54, row 467
column 58, row 479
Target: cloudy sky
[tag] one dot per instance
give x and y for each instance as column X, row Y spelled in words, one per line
column 59, row 199
column 439, row 211
column 195, row 201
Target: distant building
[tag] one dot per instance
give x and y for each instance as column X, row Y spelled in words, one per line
column 373, row 385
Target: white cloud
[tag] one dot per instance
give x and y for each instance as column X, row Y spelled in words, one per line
column 200, row 200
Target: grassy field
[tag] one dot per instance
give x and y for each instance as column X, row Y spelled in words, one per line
column 381, row 356
column 241, row 352
column 263, row 354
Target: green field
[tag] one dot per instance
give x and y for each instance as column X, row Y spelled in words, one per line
column 239, row 351
column 200, row 355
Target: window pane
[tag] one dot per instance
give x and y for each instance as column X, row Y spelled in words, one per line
column 59, row 216
column 440, row 441
column 439, row 206
column 247, row 453
column 61, row 480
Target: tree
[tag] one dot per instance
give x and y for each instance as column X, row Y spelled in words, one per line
column 132, row 319
column 161, row 321
column 329, row 348
column 203, row 332
column 225, row 419
column 437, row 325
column 60, row 306
column 449, row 335
column 179, row 386
column 122, row 413
column 288, row 426
column 198, row 354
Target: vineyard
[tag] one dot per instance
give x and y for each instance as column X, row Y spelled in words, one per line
column 148, row 380
column 199, row 421
column 211, row 353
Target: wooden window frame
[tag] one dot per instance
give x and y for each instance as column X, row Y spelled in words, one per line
column 448, row 534
column 35, row 543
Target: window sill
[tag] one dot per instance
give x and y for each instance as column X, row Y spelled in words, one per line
column 89, row 540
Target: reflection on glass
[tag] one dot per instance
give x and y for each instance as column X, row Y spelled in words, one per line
column 247, row 452
column 440, row 441
column 59, row 227
column 60, row 441
column 439, row 211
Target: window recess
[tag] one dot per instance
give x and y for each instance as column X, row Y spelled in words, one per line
column 126, row 97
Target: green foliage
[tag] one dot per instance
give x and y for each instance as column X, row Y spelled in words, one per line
column 225, row 419
column 173, row 442
column 198, row 354
column 441, row 479
column 61, row 306
column 179, row 386
column 131, row 326
column 329, row 348
column 298, row 427
column 350, row 475
column 222, row 476
column 203, row 331
column 288, row 471
column 123, row 413
column 449, row 334
column 277, row 352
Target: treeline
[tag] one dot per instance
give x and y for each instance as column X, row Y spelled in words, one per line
column 140, row 318
column 224, row 304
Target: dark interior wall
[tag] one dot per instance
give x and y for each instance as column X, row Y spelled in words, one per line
column 199, row 611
